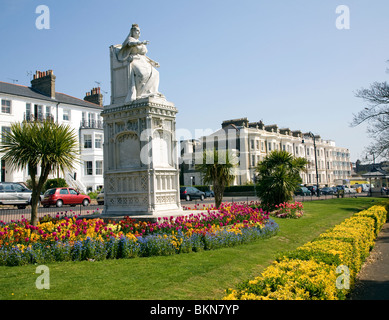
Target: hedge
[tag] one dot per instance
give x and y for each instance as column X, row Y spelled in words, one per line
column 315, row 271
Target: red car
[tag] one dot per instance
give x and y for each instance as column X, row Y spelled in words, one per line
column 61, row 196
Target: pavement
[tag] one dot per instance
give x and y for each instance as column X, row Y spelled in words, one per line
column 373, row 279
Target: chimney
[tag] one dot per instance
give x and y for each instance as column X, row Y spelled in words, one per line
column 44, row 82
column 94, row 96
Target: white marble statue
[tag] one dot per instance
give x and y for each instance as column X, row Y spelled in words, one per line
column 143, row 75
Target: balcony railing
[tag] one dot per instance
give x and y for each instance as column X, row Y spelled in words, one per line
column 38, row 117
column 91, row 124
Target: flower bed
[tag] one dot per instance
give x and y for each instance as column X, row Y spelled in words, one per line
column 289, row 210
column 69, row 238
column 310, row 271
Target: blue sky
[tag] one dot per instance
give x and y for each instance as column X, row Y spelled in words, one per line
column 282, row 62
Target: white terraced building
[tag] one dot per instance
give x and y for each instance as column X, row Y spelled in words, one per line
column 253, row 141
column 40, row 101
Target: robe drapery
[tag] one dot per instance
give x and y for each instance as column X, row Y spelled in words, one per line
column 143, row 77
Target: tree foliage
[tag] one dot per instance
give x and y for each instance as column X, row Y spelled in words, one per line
column 217, row 168
column 41, row 147
column 278, row 176
column 376, row 115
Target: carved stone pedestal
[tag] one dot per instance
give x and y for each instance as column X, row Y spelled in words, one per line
column 141, row 175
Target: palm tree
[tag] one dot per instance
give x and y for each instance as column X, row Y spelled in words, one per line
column 278, row 178
column 217, row 168
column 45, row 145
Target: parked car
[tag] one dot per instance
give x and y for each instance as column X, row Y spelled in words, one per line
column 313, row 190
column 15, row 194
column 302, row 191
column 189, row 193
column 334, row 189
column 64, row 196
column 100, row 197
column 327, row 191
column 209, row 194
column 349, row 190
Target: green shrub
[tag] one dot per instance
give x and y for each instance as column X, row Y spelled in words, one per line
column 310, row 271
column 93, row 194
column 54, row 183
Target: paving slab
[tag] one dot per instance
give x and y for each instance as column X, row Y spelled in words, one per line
column 373, row 279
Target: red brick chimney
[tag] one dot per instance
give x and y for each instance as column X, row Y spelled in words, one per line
column 94, row 96
column 44, row 82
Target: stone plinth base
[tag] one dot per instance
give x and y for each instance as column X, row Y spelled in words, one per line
column 141, row 174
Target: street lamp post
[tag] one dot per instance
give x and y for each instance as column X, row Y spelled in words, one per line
column 373, row 154
column 317, row 174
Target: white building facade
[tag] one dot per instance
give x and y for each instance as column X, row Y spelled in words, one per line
column 41, row 102
column 252, row 142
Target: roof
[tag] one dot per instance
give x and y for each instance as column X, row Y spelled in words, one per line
column 376, row 173
column 23, row 91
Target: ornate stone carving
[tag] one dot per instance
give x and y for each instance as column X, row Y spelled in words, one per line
column 141, row 166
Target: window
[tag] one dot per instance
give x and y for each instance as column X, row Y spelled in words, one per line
column 91, row 119
column 99, row 167
column 6, row 106
column 98, row 141
column 64, row 191
column 87, row 141
column 18, row 187
column 38, row 110
column 72, row 191
column 4, row 132
column 88, row 168
column 48, row 115
column 9, row 188
column 28, row 111
column 66, row 115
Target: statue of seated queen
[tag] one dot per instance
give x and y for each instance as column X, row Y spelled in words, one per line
column 143, row 77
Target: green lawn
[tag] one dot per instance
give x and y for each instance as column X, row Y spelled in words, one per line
column 203, row 275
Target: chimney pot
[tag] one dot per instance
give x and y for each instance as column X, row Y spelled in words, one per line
column 94, row 96
column 44, row 82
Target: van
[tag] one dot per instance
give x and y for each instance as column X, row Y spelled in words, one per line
column 15, row 194
column 363, row 186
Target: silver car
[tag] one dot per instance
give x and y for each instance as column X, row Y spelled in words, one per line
column 14, row 194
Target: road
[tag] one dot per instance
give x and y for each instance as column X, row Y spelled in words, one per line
column 7, row 214
column 11, row 213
